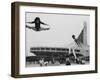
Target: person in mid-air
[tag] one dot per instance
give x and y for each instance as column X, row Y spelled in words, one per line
column 77, row 60
column 76, row 40
column 37, row 23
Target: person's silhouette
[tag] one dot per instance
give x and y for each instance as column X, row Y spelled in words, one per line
column 37, row 23
column 76, row 40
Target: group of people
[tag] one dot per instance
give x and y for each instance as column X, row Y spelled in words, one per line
column 42, row 62
column 67, row 61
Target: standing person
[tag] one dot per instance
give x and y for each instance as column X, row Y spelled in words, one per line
column 67, row 60
column 41, row 62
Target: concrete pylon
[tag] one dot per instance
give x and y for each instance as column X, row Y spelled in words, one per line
column 83, row 35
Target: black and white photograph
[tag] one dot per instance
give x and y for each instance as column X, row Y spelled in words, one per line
column 57, row 39
column 52, row 39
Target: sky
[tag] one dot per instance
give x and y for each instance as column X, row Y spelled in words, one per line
column 62, row 27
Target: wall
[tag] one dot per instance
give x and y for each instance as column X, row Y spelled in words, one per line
column 5, row 40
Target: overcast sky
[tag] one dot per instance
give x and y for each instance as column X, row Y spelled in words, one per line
column 62, row 27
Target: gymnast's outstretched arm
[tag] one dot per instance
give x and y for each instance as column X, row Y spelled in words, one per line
column 43, row 23
column 31, row 22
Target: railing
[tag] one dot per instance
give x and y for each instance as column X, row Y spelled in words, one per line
column 50, row 49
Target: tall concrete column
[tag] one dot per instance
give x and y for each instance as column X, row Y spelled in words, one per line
column 85, row 34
